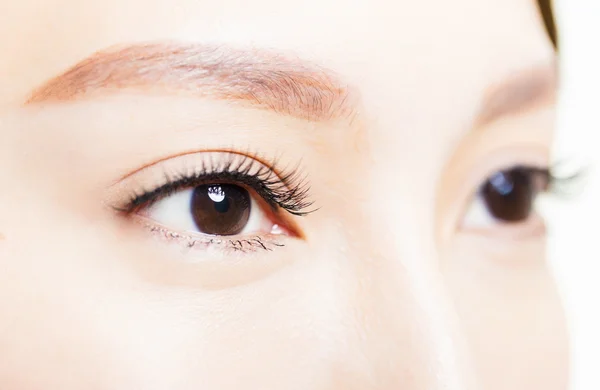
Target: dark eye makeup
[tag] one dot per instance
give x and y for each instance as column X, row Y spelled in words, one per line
column 288, row 190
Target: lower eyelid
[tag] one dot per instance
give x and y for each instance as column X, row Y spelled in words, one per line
column 533, row 228
column 533, row 225
column 204, row 242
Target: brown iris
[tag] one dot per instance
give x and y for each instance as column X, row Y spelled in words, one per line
column 220, row 209
column 509, row 195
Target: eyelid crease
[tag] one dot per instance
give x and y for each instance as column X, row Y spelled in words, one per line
column 520, row 92
column 272, row 164
column 287, row 189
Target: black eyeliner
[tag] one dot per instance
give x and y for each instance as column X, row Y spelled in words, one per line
column 288, row 191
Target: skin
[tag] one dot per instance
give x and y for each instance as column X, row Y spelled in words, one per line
column 388, row 285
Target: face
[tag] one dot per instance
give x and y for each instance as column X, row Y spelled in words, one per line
column 276, row 195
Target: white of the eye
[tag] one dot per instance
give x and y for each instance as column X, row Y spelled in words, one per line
column 477, row 215
column 257, row 222
column 174, row 212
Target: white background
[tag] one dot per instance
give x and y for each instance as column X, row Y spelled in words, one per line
column 574, row 245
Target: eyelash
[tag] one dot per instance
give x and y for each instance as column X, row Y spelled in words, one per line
column 233, row 245
column 288, row 191
column 564, row 185
column 561, row 185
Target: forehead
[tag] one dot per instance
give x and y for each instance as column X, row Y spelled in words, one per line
column 368, row 41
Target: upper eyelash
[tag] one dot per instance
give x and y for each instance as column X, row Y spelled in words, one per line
column 288, row 191
column 558, row 184
column 567, row 184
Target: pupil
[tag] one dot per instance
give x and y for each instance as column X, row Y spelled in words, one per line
column 509, row 195
column 222, row 206
column 220, row 209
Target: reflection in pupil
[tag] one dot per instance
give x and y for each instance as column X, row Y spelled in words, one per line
column 217, row 195
column 502, row 184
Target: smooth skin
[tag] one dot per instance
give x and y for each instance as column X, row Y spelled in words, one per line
column 387, row 285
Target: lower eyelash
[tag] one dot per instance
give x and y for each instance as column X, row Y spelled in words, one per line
column 194, row 242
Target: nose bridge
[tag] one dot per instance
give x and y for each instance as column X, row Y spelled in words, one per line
column 413, row 336
column 444, row 344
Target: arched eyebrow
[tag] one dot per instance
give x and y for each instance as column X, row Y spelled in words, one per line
column 521, row 91
column 260, row 78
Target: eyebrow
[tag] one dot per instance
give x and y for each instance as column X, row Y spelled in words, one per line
column 521, row 91
column 261, row 78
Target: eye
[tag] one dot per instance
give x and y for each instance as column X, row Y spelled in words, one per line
column 220, row 198
column 212, row 209
column 507, row 197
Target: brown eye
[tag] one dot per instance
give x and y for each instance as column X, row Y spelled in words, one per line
column 509, row 195
column 220, row 209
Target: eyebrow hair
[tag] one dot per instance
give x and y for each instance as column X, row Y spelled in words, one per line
column 521, row 91
column 261, row 78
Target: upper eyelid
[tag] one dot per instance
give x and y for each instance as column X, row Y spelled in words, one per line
column 546, row 173
column 174, row 185
column 289, row 186
column 272, row 165
column 165, row 170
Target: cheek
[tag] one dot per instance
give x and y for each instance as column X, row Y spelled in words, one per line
column 74, row 300
column 68, row 301
column 511, row 312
